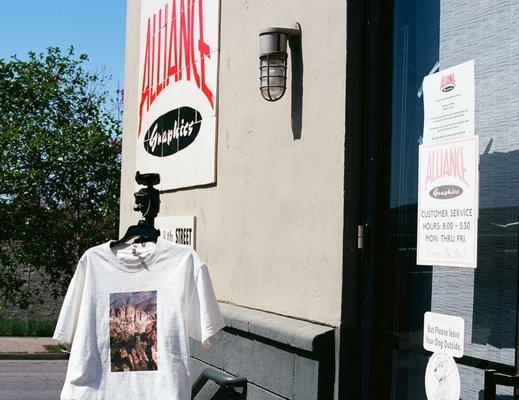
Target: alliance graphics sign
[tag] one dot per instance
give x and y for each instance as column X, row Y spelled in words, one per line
column 178, row 65
column 448, row 203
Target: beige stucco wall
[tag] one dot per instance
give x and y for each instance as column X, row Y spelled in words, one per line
column 271, row 229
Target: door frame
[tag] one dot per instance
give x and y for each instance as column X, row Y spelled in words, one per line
column 375, row 362
column 364, row 21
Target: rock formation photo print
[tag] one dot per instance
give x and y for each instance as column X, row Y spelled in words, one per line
column 133, row 331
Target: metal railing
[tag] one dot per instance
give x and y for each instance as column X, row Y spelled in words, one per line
column 493, row 379
column 209, row 374
column 221, row 378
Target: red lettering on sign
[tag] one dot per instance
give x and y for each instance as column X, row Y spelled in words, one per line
column 446, row 162
column 165, row 56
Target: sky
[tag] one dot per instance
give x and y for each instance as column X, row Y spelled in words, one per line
column 95, row 27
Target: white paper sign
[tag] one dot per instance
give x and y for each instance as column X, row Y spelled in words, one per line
column 177, row 91
column 449, row 103
column 181, row 230
column 444, row 333
column 442, row 378
column 447, row 230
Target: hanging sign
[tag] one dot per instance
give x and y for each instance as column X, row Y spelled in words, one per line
column 449, row 103
column 448, row 203
column 442, row 378
column 444, row 333
column 176, row 110
column 180, row 230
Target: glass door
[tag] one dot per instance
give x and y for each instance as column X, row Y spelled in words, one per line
column 416, row 38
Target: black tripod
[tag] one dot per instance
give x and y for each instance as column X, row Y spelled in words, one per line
column 148, row 203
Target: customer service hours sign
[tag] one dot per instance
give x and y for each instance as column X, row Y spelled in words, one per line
column 448, row 203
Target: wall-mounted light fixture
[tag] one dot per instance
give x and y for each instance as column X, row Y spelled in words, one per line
column 273, row 60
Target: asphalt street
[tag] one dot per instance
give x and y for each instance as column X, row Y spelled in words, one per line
column 31, row 380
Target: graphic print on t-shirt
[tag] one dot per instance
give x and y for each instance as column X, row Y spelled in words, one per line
column 133, row 331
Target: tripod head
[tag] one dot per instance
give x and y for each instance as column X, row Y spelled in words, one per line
column 147, row 199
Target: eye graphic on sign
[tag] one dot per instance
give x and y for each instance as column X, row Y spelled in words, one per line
column 176, row 115
column 446, row 192
column 447, row 83
column 181, row 56
column 172, row 132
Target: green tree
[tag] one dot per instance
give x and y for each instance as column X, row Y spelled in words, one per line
column 60, row 143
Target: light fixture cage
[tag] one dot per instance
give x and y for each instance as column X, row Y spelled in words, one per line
column 273, row 60
column 273, row 75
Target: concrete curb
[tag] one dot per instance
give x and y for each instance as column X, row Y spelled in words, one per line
column 34, row 356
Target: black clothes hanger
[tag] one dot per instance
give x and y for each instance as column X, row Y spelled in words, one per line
column 148, row 202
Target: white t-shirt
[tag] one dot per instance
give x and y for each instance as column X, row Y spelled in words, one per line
column 128, row 313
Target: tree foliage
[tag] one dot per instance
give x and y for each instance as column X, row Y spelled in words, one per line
column 59, row 169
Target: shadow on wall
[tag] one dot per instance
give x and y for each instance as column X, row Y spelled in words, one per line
column 495, row 281
column 296, row 55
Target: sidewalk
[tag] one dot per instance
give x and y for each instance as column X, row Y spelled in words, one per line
column 29, row 348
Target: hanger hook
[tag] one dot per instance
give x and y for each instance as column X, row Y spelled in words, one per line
column 149, row 206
